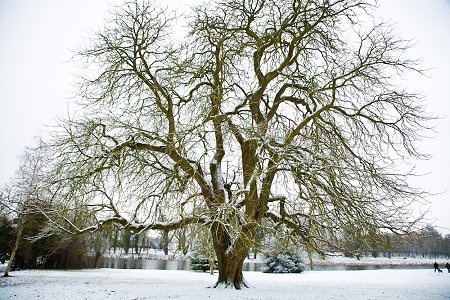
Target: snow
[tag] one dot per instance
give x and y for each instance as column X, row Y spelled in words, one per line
column 157, row 284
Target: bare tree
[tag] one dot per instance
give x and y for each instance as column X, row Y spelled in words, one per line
column 22, row 195
column 287, row 111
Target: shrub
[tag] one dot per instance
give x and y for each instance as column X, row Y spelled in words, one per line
column 283, row 262
column 199, row 262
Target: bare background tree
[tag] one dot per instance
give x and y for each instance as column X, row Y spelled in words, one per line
column 33, row 239
column 287, row 112
column 23, row 194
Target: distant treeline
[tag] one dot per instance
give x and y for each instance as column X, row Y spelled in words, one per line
column 425, row 243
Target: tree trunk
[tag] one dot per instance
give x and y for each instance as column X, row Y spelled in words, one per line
column 166, row 242
column 13, row 253
column 230, row 258
column 311, row 262
column 211, row 265
column 230, row 272
column 116, row 235
column 98, row 254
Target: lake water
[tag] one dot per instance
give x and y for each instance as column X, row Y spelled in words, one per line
column 153, row 264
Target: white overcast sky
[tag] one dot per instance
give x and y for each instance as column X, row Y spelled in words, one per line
column 36, row 80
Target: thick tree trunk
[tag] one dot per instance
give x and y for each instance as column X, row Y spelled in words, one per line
column 230, row 259
column 230, row 272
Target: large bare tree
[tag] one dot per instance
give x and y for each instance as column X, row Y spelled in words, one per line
column 287, row 112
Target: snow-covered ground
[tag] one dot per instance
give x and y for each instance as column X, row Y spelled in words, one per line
column 157, row 284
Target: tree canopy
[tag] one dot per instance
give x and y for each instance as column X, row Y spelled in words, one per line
column 287, row 114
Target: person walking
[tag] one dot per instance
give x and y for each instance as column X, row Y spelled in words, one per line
column 447, row 266
column 436, row 266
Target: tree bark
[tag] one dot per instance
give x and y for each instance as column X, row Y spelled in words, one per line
column 230, row 259
column 230, row 269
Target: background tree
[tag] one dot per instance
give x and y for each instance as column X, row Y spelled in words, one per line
column 182, row 236
column 136, row 239
column 6, row 237
column 203, row 252
column 431, row 242
column 289, row 111
column 34, row 241
column 126, row 240
column 21, row 196
column 446, row 245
